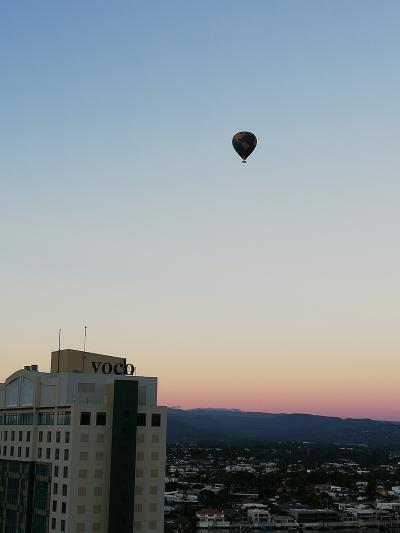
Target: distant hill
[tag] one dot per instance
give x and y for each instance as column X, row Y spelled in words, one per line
column 236, row 426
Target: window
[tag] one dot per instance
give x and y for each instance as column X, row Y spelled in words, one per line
column 12, row 436
column 98, row 491
column 154, row 472
column 39, row 453
column 19, row 451
column 54, row 506
column 82, row 491
column 64, row 490
column 20, row 436
column 84, row 437
column 12, row 451
column 152, row 507
column 40, row 523
column 138, row 508
column 63, row 507
column 139, row 490
column 153, row 490
column 85, row 419
column 43, row 469
column 97, row 509
column 25, row 419
column 53, row 523
column 26, row 452
column 99, row 456
column 49, row 436
column 153, row 524
column 100, row 419
column 140, row 438
column 141, row 419
column 64, row 418
column 100, row 437
column 47, row 453
column 66, row 454
column 83, row 456
column 46, row 419
column 65, row 472
column 81, row 509
column 40, row 436
column 98, row 473
column 155, row 456
column 155, row 439
column 11, row 419
column 156, row 419
column 57, row 454
column 28, row 436
column 4, row 450
column 5, row 435
column 58, row 436
column 82, row 473
column 62, row 526
column 80, row 527
column 66, row 440
column 56, row 471
column 55, row 488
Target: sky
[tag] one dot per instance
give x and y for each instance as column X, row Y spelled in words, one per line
column 272, row 286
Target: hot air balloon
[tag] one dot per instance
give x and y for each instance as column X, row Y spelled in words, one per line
column 244, row 143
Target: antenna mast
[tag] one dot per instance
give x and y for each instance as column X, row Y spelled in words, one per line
column 59, row 349
column 84, row 351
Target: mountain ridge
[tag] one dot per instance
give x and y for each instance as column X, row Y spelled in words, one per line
column 226, row 425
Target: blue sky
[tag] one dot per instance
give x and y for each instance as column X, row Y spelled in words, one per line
column 124, row 207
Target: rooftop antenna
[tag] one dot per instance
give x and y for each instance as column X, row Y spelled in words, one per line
column 59, row 349
column 84, row 351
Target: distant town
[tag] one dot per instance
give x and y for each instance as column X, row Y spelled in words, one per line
column 281, row 486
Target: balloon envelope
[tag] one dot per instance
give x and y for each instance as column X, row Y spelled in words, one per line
column 244, row 143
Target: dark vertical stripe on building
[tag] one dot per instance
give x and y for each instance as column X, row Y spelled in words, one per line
column 123, row 457
column 17, row 502
column 29, row 503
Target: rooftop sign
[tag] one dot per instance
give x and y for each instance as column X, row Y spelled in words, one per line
column 119, row 369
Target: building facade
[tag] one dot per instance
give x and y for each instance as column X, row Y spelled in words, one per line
column 82, row 448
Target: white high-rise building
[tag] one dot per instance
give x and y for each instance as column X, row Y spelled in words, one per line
column 82, row 448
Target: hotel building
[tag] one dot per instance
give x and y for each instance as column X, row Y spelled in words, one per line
column 82, row 448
